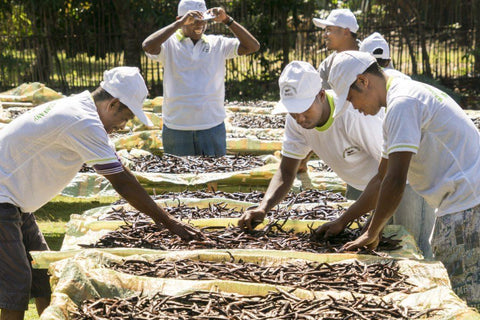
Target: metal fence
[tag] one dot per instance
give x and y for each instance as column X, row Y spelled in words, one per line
column 73, row 56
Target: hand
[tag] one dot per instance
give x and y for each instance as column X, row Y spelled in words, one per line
column 190, row 17
column 366, row 240
column 183, row 230
column 329, row 229
column 251, row 218
column 219, row 13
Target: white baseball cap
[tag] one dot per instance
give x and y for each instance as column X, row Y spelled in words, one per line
column 127, row 84
column 186, row 5
column 374, row 42
column 343, row 18
column 346, row 66
column 299, row 85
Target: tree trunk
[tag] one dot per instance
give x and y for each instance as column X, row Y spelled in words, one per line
column 476, row 41
column 131, row 43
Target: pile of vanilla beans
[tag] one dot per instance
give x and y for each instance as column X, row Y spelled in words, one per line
column 224, row 306
column 222, row 210
column 305, row 196
column 168, row 163
column 142, row 234
column 258, row 121
column 379, row 278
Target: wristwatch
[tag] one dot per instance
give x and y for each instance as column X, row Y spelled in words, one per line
column 229, row 21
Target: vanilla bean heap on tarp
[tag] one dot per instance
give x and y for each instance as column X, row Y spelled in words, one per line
column 379, row 278
column 213, row 305
column 168, row 163
column 258, row 121
column 222, row 210
column 143, row 234
column 305, row 196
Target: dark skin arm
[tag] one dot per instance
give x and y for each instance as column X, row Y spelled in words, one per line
column 365, row 203
column 391, row 192
column 130, row 189
column 277, row 190
column 248, row 43
column 153, row 43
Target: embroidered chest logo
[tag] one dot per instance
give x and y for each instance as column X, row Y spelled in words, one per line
column 206, row 48
column 350, row 151
column 289, row 91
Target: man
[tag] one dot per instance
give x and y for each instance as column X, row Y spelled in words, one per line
column 194, row 77
column 419, row 218
column 350, row 144
column 428, row 139
column 378, row 47
column 40, row 152
column 340, row 34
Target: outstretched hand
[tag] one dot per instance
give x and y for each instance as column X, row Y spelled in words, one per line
column 190, row 17
column 365, row 240
column 329, row 229
column 185, row 231
column 219, row 13
column 251, row 218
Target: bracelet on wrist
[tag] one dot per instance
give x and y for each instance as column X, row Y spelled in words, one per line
column 229, row 22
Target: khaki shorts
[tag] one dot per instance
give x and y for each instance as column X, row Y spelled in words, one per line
column 19, row 234
column 456, row 243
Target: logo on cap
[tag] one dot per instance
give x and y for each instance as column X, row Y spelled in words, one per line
column 289, row 91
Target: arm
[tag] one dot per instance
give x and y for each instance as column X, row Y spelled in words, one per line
column 153, row 43
column 365, row 203
column 130, row 189
column 391, row 192
column 277, row 189
column 248, row 43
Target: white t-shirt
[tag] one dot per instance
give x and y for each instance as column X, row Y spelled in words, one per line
column 445, row 167
column 42, row 150
column 351, row 144
column 194, row 80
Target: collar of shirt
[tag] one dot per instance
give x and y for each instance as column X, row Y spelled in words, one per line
column 180, row 36
column 329, row 122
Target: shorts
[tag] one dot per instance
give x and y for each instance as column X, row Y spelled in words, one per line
column 456, row 243
column 210, row 142
column 19, row 234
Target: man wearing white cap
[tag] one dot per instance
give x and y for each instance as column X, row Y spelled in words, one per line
column 430, row 140
column 41, row 152
column 350, row 144
column 378, row 47
column 340, row 35
column 419, row 217
column 194, row 77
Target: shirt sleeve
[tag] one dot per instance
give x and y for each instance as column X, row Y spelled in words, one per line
column 230, row 47
column 366, row 131
column 161, row 56
column 294, row 143
column 324, row 71
column 402, row 127
column 91, row 142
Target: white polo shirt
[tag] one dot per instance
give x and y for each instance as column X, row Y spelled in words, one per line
column 395, row 73
column 42, row 150
column 194, row 80
column 351, row 144
column 324, row 69
column 445, row 167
